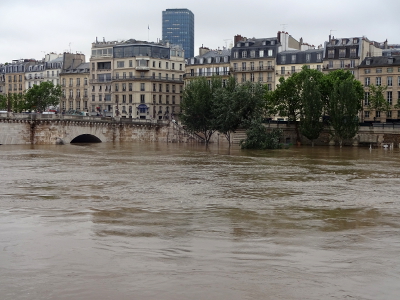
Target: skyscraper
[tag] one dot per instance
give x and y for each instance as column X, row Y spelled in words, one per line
column 178, row 28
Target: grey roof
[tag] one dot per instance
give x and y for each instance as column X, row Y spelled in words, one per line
column 215, row 53
column 380, row 61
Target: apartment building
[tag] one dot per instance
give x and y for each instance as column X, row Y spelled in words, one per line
column 75, row 88
column 292, row 61
column 136, row 79
column 348, row 53
column 381, row 71
column 255, row 59
column 209, row 63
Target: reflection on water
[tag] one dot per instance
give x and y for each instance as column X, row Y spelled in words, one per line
column 167, row 221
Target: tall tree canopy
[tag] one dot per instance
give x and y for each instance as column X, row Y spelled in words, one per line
column 41, row 96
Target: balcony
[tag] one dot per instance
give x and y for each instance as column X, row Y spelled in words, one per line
column 142, row 68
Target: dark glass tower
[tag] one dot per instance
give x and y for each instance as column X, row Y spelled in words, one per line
column 178, row 28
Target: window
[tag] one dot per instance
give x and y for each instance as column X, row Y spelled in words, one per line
column 270, row 52
column 173, row 66
column 116, row 87
column 252, row 66
column 142, row 98
column 124, row 87
column 390, row 70
column 166, row 65
column 379, row 70
column 389, row 114
column 308, row 57
column 378, row 81
column 378, row 114
column 366, row 98
column 123, row 98
column 283, row 59
column 353, row 52
column 366, row 114
column 243, row 77
column 389, row 81
column 160, row 99
column 261, row 65
column 367, row 71
column 331, row 53
column 130, row 87
column 120, row 64
column 160, row 87
column 236, row 54
column 352, row 63
column 130, row 64
column 342, row 64
column 244, row 54
column 330, row 65
column 282, row 70
column 342, row 53
column 235, row 67
column 130, row 98
column 142, row 87
column 252, row 53
column 93, row 99
column 293, row 58
column 319, row 67
column 367, row 81
column 261, row 53
column 167, row 88
column 389, row 97
column 293, row 69
column 243, row 66
column 252, row 77
column 319, row 56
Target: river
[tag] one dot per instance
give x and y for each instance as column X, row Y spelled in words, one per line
column 177, row 221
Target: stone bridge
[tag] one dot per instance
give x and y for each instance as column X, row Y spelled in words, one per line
column 61, row 129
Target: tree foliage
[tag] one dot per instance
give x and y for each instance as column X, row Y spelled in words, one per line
column 13, row 102
column 344, row 106
column 208, row 106
column 376, row 99
column 198, row 107
column 42, row 96
column 258, row 137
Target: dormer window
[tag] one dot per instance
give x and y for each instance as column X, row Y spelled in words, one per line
column 209, row 60
column 192, row 61
column 226, row 58
column 272, row 42
column 238, row 45
column 201, row 60
column 244, row 54
column 355, row 41
column 368, row 62
column 390, row 60
column 217, row 59
column 236, row 54
column 247, row 44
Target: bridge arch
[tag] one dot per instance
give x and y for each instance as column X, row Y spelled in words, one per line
column 85, row 138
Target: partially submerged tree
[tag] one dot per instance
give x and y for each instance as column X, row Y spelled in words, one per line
column 40, row 97
column 344, row 105
column 198, row 107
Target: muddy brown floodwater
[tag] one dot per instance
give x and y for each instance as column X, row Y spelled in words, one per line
column 169, row 221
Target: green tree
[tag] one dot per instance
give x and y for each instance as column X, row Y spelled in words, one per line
column 344, row 106
column 41, row 96
column 285, row 101
column 258, row 137
column 198, row 106
column 311, row 114
column 376, row 99
column 13, row 102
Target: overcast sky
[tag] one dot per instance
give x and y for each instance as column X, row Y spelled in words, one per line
column 29, row 29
